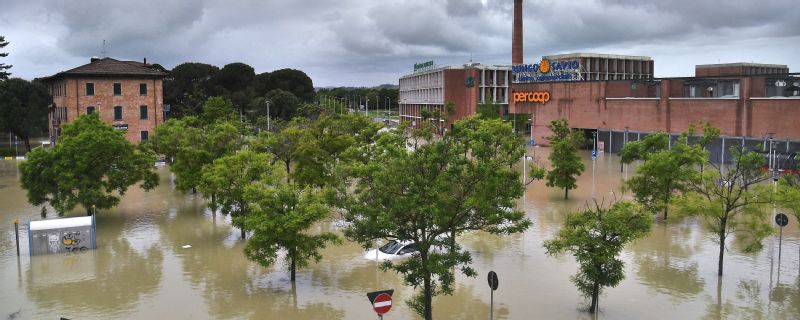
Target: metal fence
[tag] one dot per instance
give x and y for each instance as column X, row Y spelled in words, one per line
column 719, row 149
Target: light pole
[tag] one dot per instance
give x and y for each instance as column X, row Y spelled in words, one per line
column 268, row 115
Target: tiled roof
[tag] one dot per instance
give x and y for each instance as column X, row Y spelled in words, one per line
column 112, row 67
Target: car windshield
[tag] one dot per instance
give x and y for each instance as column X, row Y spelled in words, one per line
column 390, row 247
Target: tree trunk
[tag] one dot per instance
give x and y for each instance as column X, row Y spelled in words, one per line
column 288, row 179
column 666, row 206
column 566, row 193
column 427, row 293
column 241, row 225
column 27, row 143
column 595, row 297
column 293, row 266
column 194, row 190
column 721, row 247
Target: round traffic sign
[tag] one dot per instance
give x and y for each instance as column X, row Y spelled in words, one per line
column 493, row 282
column 781, row 219
column 382, row 303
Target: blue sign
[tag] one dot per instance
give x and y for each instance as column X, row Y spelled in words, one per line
column 594, row 154
column 546, row 70
column 532, row 142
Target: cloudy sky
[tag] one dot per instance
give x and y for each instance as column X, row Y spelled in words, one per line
column 370, row 42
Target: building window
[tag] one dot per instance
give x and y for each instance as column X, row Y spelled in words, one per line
column 143, row 89
column 118, row 113
column 117, row 89
column 144, row 135
column 89, row 89
column 89, row 110
column 142, row 112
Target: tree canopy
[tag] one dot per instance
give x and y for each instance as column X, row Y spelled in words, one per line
column 428, row 193
column 92, row 164
column 24, row 106
column 731, row 200
column 4, row 67
column 564, row 157
column 595, row 237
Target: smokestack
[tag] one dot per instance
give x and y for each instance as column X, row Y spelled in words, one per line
column 516, row 41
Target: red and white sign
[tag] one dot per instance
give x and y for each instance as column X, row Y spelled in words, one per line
column 382, row 303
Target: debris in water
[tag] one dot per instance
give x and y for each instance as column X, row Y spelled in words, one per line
column 186, row 246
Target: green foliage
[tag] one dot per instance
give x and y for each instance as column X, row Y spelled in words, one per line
column 432, row 193
column 664, row 171
column 280, row 217
column 380, row 97
column 564, row 157
column 200, row 147
column 488, row 109
column 224, row 182
column 283, row 104
column 24, row 106
column 731, row 200
column 188, row 87
column 217, row 109
column 291, row 80
column 595, row 237
column 4, row 67
column 92, row 164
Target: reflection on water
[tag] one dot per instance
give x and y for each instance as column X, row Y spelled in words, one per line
column 141, row 270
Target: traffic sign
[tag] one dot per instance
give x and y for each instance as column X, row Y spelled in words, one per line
column 594, row 154
column 493, row 282
column 382, row 303
column 781, row 219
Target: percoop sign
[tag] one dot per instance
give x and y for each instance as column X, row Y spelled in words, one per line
column 535, row 97
column 547, row 70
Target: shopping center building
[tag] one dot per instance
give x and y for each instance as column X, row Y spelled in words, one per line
column 616, row 98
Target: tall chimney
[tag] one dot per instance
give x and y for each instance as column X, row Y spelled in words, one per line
column 516, row 41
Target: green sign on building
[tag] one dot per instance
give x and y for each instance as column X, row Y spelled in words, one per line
column 423, row 65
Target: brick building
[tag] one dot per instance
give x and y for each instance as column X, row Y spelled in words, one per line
column 125, row 94
column 466, row 86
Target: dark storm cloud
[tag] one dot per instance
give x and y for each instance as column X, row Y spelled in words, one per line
column 362, row 42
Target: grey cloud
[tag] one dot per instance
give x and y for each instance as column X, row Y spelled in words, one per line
column 362, row 42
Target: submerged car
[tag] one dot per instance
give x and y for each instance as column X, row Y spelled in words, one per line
column 397, row 249
column 392, row 250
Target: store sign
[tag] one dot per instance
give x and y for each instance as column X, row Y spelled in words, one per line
column 546, row 70
column 423, row 65
column 121, row 126
column 535, row 97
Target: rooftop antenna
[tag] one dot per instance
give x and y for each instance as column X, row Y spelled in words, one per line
column 103, row 53
column 470, row 57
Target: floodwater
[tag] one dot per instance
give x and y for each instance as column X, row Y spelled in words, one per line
column 141, row 271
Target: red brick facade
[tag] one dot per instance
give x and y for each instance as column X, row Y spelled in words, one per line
column 140, row 100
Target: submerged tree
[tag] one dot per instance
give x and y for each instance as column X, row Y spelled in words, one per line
column 564, row 157
column 280, row 217
column 427, row 193
column 595, row 237
column 665, row 170
column 225, row 181
column 731, row 200
column 92, row 165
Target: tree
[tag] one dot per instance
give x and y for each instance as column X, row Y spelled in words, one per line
column 225, row 180
column 291, row 80
column 664, row 171
column 24, row 107
column 488, row 109
column 731, row 200
column 283, row 104
column 4, row 67
column 461, row 182
column 595, row 237
column 564, row 157
column 280, row 217
column 217, row 109
column 199, row 147
column 92, row 165
column 188, row 87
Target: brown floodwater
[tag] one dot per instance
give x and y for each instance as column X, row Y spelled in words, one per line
column 140, row 269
